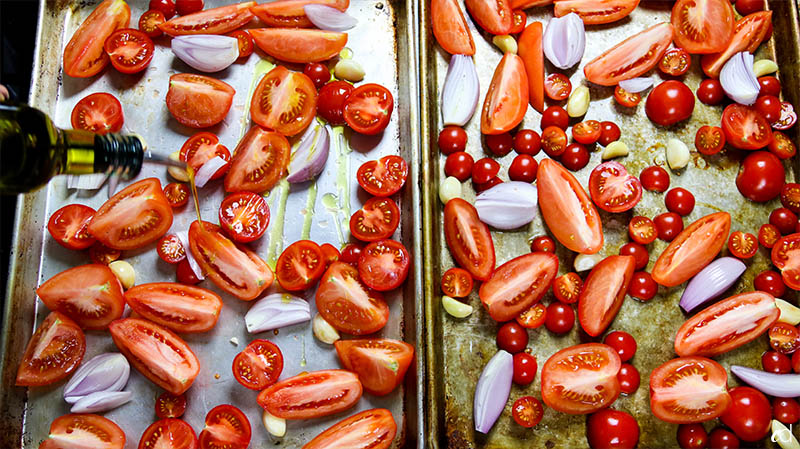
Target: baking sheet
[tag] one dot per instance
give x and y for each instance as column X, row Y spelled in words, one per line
column 384, row 43
column 458, row 349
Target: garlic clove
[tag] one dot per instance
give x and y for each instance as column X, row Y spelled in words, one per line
column 505, row 43
column 578, row 102
column 615, row 149
column 324, row 331
column 677, row 154
column 456, row 308
column 449, row 188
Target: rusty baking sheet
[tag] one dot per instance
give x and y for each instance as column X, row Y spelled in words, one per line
column 384, row 42
column 458, row 349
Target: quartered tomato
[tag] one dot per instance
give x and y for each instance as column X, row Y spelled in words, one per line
column 156, row 352
column 177, row 194
column 693, row 249
column 748, row 32
column 230, row 266
column 581, row 379
column 291, row 14
column 135, row 216
column 727, row 324
column 468, row 239
column 603, row 293
column 374, row 429
column 84, row 55
column 376, row 220
column 297, row 45
column 99, row 113
column 259, row 365
column 381, row 364
column 54, row 351
column 182, row 308
column 169, row 433
column 567, row 209
column 625, row 98
column 518, row 284
column 786, row 257
column 709, row 140
column 244, row 216
column 704, row 26
column 613, row 189
column 259, row 161
column 347, row 304
column 331, row 99
column 170, row 405
column 89, row 294
column 784, row 338
column 201, row 148
column 226, row 428
column 532, row 54
column 84, row 430
column 745, row 128
column 211, row 21
column 631, row 57
column 688, row 390
column 368, row 109
column 567, row 288
column 743, row 244
column 507, row 98
column 383, row 177
column 586, row 132
column 300, row 266
column 557, row 87
column 68, row 226
column 284, row 101
column 457, row 283
column 496, row 17
column 198, row 101
column 130, row 50
column 594, row 12
column 450, row 28
column 149, row 22
column 384, row 264
column 533, row 317
column 170, row 249
column 246, row 43
column 312, row 395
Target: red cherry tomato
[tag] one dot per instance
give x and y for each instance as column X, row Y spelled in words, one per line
column 170, row 405
column 692, row 436
column 244, row 216
column 149, row 22
column 670, row 102
column 185, row 274
column 377, row 219
column 783, row 219
column 709, row 140
column 543, row 243
column 524, row 368
column 512, row 337
column 710, row 92
column 786, row 410
column 554, row 141
column 567, row 288
column 68, row 226
column 642, row 230
column 300, row 266
column 654, row 179
column 745, row 128
column 330, row 253
column 555, row 116
column 769, row 85
column 560, row 318
column 790, row 196
column 612, row 429
column 100, row 113
column 459, row 165
column 723, row 439
column 170, row 249
column 527, row 141
column 745, row 7
column 226, row 427
column 487, row 185
column 782, row 146
column 130, row 50
column 319, row 74
column 167, row 7
column 102, row 254
column 629, row 379
column 680, row 201
column 675, row 62
column 668, row 225
column 368, row 108
column 351, row 253
column 770, row 281
column 499, row 144
column 533, row 317
column 748, row 415
column 331, row 99
column 523, row 168
column 640, row 254
column 642, row 286
column 613, row 189
column 246, row 43
column 451, row 139
column 383, row 265
column 457, row 283
column 768, row 235
column 623, row 343
column 557, row 86
column 587, row 132
column 761, row 176
column 575, row 157
column 186, row 7
column 609, row 132
column 742, row 244
column 784, row 338
column 259, row 365
column 626, row 98
column 796, row 362
column 527, row 411
column 177, row 194
column 484, row 169
column 775, row 362
column 769, row 106
column 383, row 177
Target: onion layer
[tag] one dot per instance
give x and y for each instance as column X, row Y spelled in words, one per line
column 508, row 205
column 778, row 385
column 329, row 18
column 636, row 85
column 207, row 170
column 739, row 80
column 206, row 52
column 460, row 92
column 564, row 40
column 492, row 391
column 711, row 282
column 309, row 158
column 104, row 372
column 184, row 238
column 101, row 401
column 275, row 311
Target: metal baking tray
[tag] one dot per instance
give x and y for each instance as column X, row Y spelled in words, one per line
column 384, row 42
column 458, row 349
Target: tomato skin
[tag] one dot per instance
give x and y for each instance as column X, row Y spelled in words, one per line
column 748, row 32
column 749, row 414
column 703, row 27
column 457, row 283
column 784, row 338
column 796, row 362
column 60, row 355
column 709, row 140
column 458, row 215
column 259, row 161
column 769, row 85
column 246, row 43
column 347, row 304
column 668, row 225
column 723, row 439
column 100, row 113
column 211, row 21
column 670, row 102
column 527, row 141
column 575, row 157
column 300, row 266
column 776, row 363
column 68, row 226
column 769, row 106
column 505, row 103
column 786, row 410
column 569, row 366
column 543, row 243
column 451, row 139
column 532, row 54
column 612, row 429
column 89, row 294
column 534, row 272
column 381, row 364
column 384, row 265
column 640, row 254
column 623, row 343
column 225, row 427
column 629, row 379
column 329, row 253
column 376, row 220
column 318, row 73
column 680, row 201
column 524, row 368
column 351, row 253
column 555, row 116
column 560, row 318
column 169, row 405
column 493, row 16
column 512, row 337
column 244, row 216
column 186, row 7
column 299, row 397
column 692, row 436
column 484, row 169
column 450, row 28
column 783, row 219
column 761, row 176
column 84, row 430
column 368, row 109
column 523, row 168
column 184, row 273
column 259, row 365
column 770, row 281
column 613, row 189
column 654, row 179
column 603, row 293
column 674, row 402
column 192, row 104
column 593, row 12
column 331, row 99
column 84, row 56
column 374, row 428
column 166, row 7
column 745, row 128
column 169, row 431
column 459, row 165
column 118, row 47
column 631, row 57
column 609, row 132
column 284, row 101
column 642, row 286
column 181, row 308
column 499, row 144
column 710, row 92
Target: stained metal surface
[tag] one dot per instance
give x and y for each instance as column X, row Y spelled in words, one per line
column 384, row 43
column 458, row 349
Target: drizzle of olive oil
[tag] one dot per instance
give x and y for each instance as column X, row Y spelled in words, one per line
column 311, row 202
column 276, row 232
column 190, row 172
column 329, row 200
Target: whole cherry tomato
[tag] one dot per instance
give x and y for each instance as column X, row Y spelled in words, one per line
column 749, row 414
column 786, row 410
column 784, row 219
column 186, row 7
column 623, row 343
column 721, row 438
column 771, row 282
column 670, row 102
column 167, row 7
column 484, row 169
column 668, row 225
column 543, row 243
column 692, row 436
column 769, row 85
column 761, row 176
column 796, row 362
column 774, row 362
column 629, row 378
column 710, row 92
column 680, row 201
column 640, row 254
column 487, row 185
column 609, row 132
column 642, row 286
column 559, row 318
column 319, row 74
column 451, row 139
column 524, row 368
column 575, row 157
column 527, row 141
column 612, row 429
column 499, row 144
column 769, row 106
column 351, row 253
column 459, row 164
column 745, row 7
column 523, row 168
column 512, row 337
column 654, row 179
column 555, row 116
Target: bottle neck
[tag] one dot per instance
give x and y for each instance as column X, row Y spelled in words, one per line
column 87, row 152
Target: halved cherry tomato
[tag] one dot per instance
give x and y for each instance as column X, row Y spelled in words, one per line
column 177, row 194
column 554, row 141
column 230, row 266
column 626, row 98
column 788, row 117
column 613, row 189
column 748, row 32
column 693, row 249
column 594, row 12
column 211, row 21
column 226, row 428
column 298, row 45
column 567, row 209
column 768, row 235
column 99, row 113
column 506, row 101
column 201, row 148
column 450, row 28
column 702, row 26
column 786, row 257
column 182, row 308
column 331, row 99
column 383, row 177
column 103, row 255
column 300, row 266
column 312, row 395
column 89, row 294
column 329, row 253
column 567, row 288
column 376, row 220
column 68, row 226
column 284, row 101
column 468, row 239
column 631, row 57
column 244, row 216
column 642, row 230
column 688, row 390
column 84, row 430
column 149, row 22
column 169, row 433
column 533, row 317
column 782, row 146
column 790, row 196
column 156, row 352
column 745, row 128
column 381, row 364
column 185, row 274
column 374, row 429
column 198, row 101
column 133, row 217
column 518, row 284
column 246, row 43
column 743, row 244
column 586, row 132
column 527, row 411
column 457, row 283
column 259, row 161
column 291, row 13
column 557, row 87
column 676, row 61
column 368, row 109
column 130, row 50
column 54, row 351
column 727, row 324
column 532, row 54
column 496, row 17
column 259, row 365
column 384, row 264
column 709, row 140
column 84, row 55
column 784, row 338
column 581, row 379
column 603, row 293
column 170, row 249
column 170, row 405
column 344, row 301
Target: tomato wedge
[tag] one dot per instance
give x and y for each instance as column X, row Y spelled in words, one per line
column 135, row 216
column 693, row 249
column 312, row 395
column 169, row 433
column 84, row 55
column 347, row 304
column 300, row 266
column 89, row 294
column 244, row 216
column 198, row 101
column 68, row 226
column 603, row 293
column 688, row 390
column 532, row 54
column 631, row 57
column 259, row 365
column 373, row 429
column 703, row 26
column 727, row 324
column 505, row 103
column 748, row 33
column 259, row 161
column 284, row 101
column 182, row 308
column 84, row 430
column 450, row 28
column 581, row 379
column 468, row 239
column 299, row 45
column 518, row 284
column 525, row 4
column 567, row 209
column 786, row 257
column 376, row 220
column 384, row 264
column 381, row 364
column 226, row 428
column 201, row 148
column 54, row 351
column 130, row 50
column 594, row 12
column 745, row 128
column 383, row 177
column 211, row 21
column 100, row 113
column 156, row 352
column 290, row 13
column 613, row 189
column 494, row 16
column 230, row 266
column 368, row 109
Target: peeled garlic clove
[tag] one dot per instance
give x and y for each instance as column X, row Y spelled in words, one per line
column 349, row 69
column 783, row 436
column 505, row 43
column 449, row 188
column 324, row 331
column 178, row 173
column 456, row 308
column 578, row 102
column 124, row 272
column 274, row 425
column 615, row 149
column 790, row 314
column 677, row 154
column 585, row 262
column 764, row 67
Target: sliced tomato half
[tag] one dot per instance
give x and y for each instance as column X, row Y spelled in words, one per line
column 494, row 16
column 259, row 365
column 284, row 101
column 182, row 308
column 450, row 28
column 299, row 45
column 703, row 26
column 581, row 379
column 69, row 226
column 745, row 128
column 384, row 265
column 603, row 293
column 130, row 50
column 89, row 294
column 468, row 239
column 383, row 177
column 211, row 21
column 201, row 148
column 169, row 433
column 631, row 57
column 786, row 257
column 300, row 266
column 198, row 101
column 54, row 351
column 594, row 12
column 506, row 101
column 532, row 54
column 312, row 395
column 368, row 109
column 518, row 284
column 244, row 216
column 347, row 304
column 376, row 220
column 259, row 161
column 374, row 429
column 381, row 364
column 100, row 113
column 226, row 428
column 84, row 55
column 613, row 189
column 84, row 430
column 689, row 390
column 748, row 33
column 290, row 13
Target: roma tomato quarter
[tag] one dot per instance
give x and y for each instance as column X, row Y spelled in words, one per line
column 312, row 394
column 474, row 253
column 54, row 351
column 381, row 364
column 518, row 284
column 603, row 293
column 581, row 379
column 687, row 390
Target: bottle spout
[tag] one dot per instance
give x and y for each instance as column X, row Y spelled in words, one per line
column 156, row 158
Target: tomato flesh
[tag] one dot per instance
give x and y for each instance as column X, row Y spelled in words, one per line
column 259, row 365
column 312, row 395
column 211, row 21
column 54, row 351
column 786, row 257
column 702, row 26
column 748, row 32
column 468, row 239
column 532, row 54
column 198, row 101
column 226, row 428
column 384, row 265
column 284, row 101
column 376, row 220
column 244, row 216
column 368, row 109
column 688, row 390
column 505, row 103
column 298, row 45
column 201, row 148
column 68, row 226
column 100, row 113
column 170, row 405
column 170, row 433
column 594, row 12
column 84, row 55
column 613, row 189
column 300, row 265
column 381, row 364
column 259, row 161
column 89, row 294
column 383, row 177
column 631, row 57
column 130, row 50
column 347, row 304
column 450, row 28
column 182, row 308
column 374, row 429
column 581, row 379
column 603, row 293
column 291, row 13
column 496, row 17
column 84, row 430
column 745, row 128
column 518, row 284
